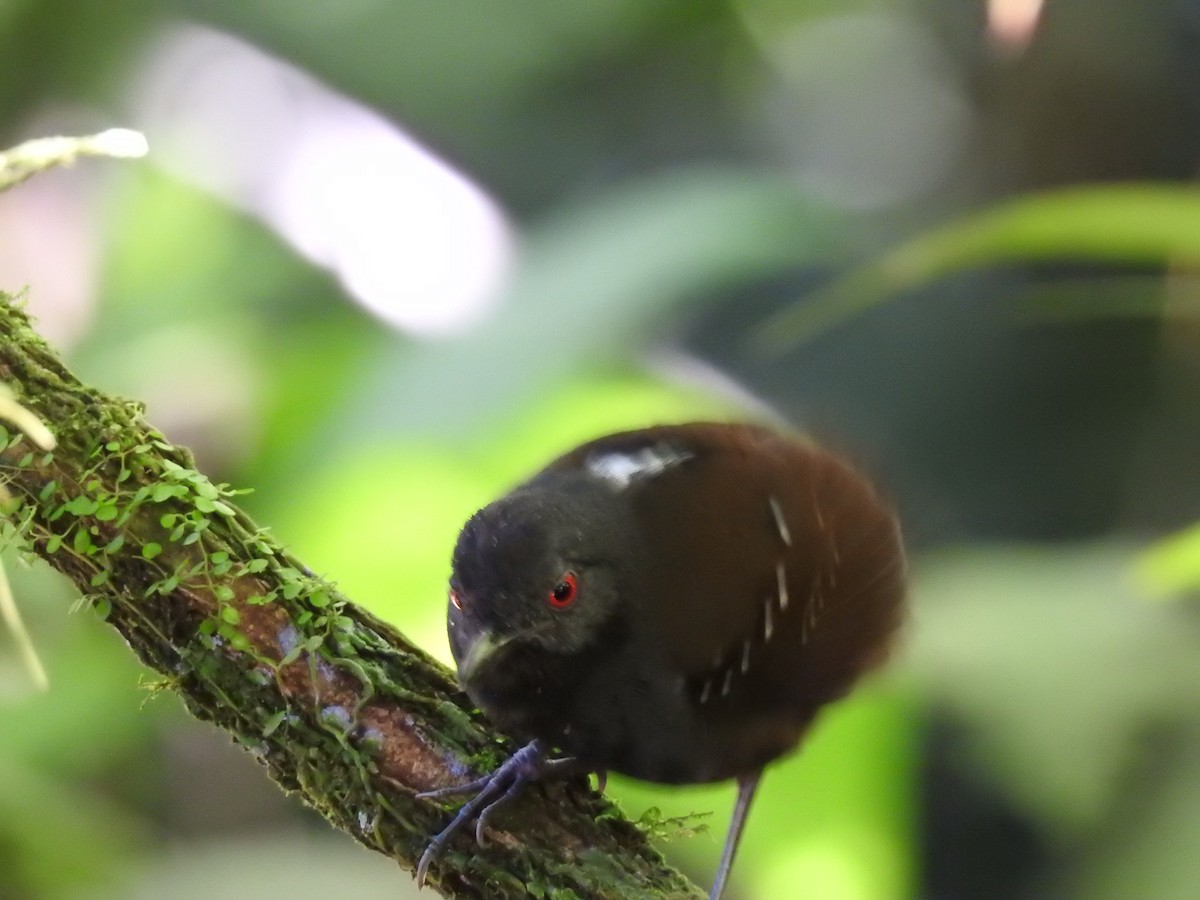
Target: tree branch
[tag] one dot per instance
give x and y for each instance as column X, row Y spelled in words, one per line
column 338, row 705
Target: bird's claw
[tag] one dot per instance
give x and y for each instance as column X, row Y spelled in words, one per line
column 526, row 765
column 522, row 767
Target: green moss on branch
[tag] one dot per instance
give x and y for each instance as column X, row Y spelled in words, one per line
column 338, row 705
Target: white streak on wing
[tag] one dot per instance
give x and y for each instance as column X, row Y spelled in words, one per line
column 785, row 534
column 621, row 469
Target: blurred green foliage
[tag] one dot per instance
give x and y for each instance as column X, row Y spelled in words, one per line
column 1172, row 565
column 1136, row 224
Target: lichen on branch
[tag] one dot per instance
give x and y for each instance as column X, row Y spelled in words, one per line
column 339, row 706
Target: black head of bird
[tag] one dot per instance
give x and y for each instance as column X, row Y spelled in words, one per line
column 675, row 604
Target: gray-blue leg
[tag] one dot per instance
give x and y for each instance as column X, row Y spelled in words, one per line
column 747, row 784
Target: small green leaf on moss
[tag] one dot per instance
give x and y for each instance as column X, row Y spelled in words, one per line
column 273, row 722
column 291, row 656
column 82, row 542
column 151, row 550
column 100, row 578
column 231, row 615
column 55, row 542
column 107, row 512
column 82, row 506
column 103, row 607
column 115, row 544
column 47, row 490
column 163, row 492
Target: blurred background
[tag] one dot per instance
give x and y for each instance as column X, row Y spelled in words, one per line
column 386, row 258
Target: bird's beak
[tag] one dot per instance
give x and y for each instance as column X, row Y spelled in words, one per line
column 481, row 649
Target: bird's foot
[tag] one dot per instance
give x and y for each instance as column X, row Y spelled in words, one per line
column 493, row 791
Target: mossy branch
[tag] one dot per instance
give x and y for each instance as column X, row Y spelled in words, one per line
column 338, row 705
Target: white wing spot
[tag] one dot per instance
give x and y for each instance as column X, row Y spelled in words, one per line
column 745, row 657
column 781, row 577
column 727, row 683
column 622, row 468
column 768, row 623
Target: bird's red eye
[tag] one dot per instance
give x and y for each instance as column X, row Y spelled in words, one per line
column 564, row 593
column 455, row 600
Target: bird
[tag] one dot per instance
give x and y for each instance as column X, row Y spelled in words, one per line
column 675, row 604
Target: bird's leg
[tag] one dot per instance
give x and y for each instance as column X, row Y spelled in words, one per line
column 526, row 765
column 747, row 784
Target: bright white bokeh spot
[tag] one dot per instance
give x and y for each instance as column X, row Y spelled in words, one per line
column 1012, row 23
column 409, row 237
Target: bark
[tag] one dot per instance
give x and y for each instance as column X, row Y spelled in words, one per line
column 337, row 705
